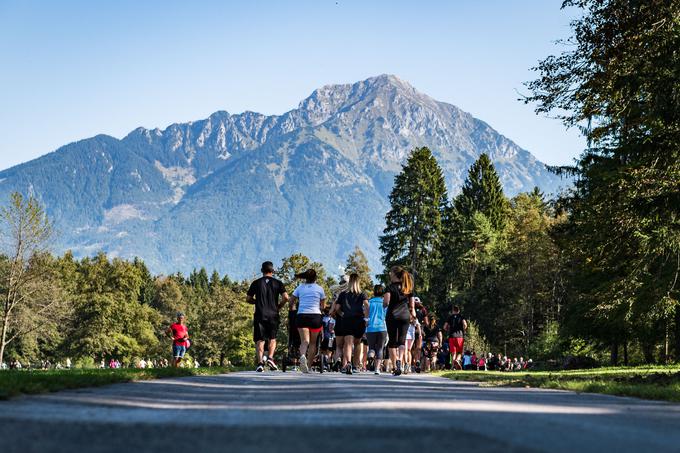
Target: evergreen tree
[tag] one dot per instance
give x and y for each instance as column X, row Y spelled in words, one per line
column 412, row 235
column 358, row 263
column 474, row 233
column 482, row 192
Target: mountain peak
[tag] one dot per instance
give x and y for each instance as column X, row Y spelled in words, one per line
column 329, row 99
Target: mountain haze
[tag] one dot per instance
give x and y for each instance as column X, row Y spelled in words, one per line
column 230, row 191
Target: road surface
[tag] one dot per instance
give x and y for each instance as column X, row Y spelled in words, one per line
column 273, row 412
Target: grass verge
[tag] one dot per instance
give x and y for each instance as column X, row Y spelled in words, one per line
column 655, row 383
column 17, row 382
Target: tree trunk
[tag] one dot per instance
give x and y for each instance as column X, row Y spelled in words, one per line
column 677, row 334
column 3, row 337
column 625, row 353
column 615, row 354
column 667, row 342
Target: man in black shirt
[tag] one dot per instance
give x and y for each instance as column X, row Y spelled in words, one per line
column 456, row 325
column 265, row 293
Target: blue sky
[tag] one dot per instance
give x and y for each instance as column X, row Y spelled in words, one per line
column 74, row 69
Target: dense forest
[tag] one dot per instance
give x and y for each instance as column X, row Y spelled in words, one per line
column 591, row 273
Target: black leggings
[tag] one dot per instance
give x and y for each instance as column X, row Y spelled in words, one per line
column 396, row 331
column 376, row 343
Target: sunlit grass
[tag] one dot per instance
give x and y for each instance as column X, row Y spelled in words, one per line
column 18, row 382
column 649, row 382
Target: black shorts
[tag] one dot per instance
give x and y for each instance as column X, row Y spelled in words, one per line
column 309, row 321
column 355, row 327
column 396, row 331
column 328, row 344
column 265, row 329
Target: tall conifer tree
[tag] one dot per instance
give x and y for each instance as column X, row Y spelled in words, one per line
column 412, row 235
column 483, row 192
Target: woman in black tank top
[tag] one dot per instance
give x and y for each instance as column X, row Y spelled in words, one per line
column 400, row 310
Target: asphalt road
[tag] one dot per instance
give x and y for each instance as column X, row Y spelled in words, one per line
column 331, row 412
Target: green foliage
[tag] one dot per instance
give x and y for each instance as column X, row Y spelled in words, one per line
column 412, row 235
column 548, row 344
column 482, row 192
column 475, row 341
column 501, row 262
column 622, row 234
column 223, row 329
column 358, row 263
column 29, row 294
column 299, row 263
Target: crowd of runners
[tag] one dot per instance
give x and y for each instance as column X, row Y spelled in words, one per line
column 389, row 331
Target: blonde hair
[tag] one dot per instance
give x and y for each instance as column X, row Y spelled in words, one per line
column 353, row 285
column 405, row 278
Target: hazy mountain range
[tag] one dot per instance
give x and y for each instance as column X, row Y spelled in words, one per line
column 230, row 191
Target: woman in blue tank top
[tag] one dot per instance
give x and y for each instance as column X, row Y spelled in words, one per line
column 376, row 329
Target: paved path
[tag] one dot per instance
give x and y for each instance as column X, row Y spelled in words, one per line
column 293, row 412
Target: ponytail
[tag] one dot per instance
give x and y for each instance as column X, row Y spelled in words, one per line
column 407, row 283
column 405, row 278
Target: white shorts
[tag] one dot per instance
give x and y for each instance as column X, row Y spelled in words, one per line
column 411, row 334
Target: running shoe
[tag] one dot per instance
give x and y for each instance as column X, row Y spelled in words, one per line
column 303, row 364
column 397, row 369
column 418, row 368
column 348, row 369
column 259, row 368
column 377, row 372
column 272, row 366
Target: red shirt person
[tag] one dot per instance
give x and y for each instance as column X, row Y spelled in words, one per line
column 180, row 338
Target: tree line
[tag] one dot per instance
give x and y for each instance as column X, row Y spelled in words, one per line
column 596, row 270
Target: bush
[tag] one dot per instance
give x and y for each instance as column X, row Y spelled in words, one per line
column 475, row 341
column 84, row 362
column 580, row 363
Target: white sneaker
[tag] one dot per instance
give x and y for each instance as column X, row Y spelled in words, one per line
column 303, row 364
column 377, row 372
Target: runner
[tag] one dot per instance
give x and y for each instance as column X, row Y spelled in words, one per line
column 433, row 340
column 398, row 299
column 350, row 309
column 294, row 341
column 327, row 344
column 180, row 339
column 376, row 330
column 311, row 300
column 456, row 325
column 363, row 351
column 412, row 335
column 336, row 290
column 422, row 317
column 265, row 293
